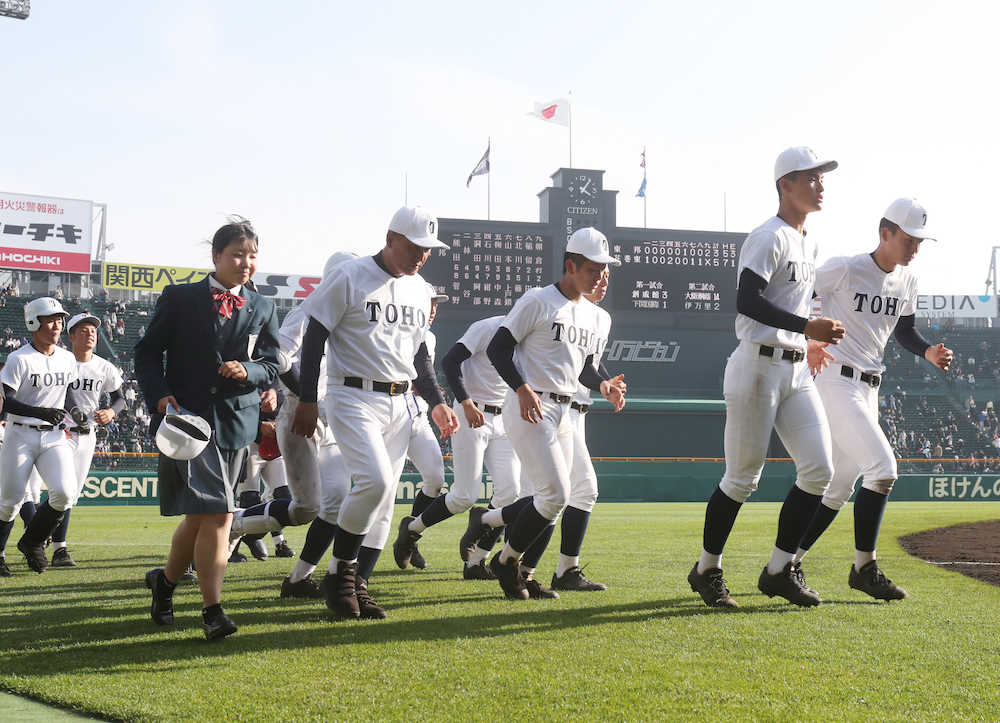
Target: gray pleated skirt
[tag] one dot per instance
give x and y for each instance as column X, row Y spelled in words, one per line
column 203, row 485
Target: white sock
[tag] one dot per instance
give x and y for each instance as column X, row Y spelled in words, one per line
column 508, row 553
column 334, row 561
column 493, row 518
column 277, row 539
column 862, row 558
column 301, row 571
column 417, row 524
column 779, row 558
column 58, row 546
column 566, row 563
column 708, row 560
column 476, row 555
column 799, row 554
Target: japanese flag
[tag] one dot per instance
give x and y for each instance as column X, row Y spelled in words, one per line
column 555, row 111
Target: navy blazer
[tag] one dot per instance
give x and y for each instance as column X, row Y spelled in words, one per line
column 184, row 326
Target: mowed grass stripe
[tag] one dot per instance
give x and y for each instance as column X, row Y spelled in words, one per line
column 645, row 649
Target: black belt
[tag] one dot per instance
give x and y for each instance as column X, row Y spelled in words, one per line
column 872, row 380
column 561, row 398
column 40, row 427
column 80, row 430
column 581, row 408
column 489, row 408
column 792, row 355
column 391, row 388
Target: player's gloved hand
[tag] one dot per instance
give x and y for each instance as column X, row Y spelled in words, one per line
column 304, row 421
column 445, row 419
column 531, row 405
column 473, row 416
column 940, row 356
column 822, row 329
column 51, row 415
column 268, row 401
column 614, row 391
column 817, row 357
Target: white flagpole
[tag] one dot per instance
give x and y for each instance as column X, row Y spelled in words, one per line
column 571, row 129
column 645, row 191
column 489, row 174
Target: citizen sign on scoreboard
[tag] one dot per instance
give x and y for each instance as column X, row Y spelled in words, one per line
column 44, row 233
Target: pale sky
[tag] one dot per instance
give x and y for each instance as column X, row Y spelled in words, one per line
column 304, row 116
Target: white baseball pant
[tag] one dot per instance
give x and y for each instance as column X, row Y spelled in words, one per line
column 471, row 449
column 582, row 477
column 425, row 453
column 545, row 450
column 764, row 393
column 860, row 446
column 25, row 449
column 33, row 493
column 83, row 454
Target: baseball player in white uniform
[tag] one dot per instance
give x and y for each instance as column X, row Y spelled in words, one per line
column 768, row 386
column 875, row 294
column 96, row 377
column 371, row 315
column 479, row 396
column 545, row 345
column 35, row 379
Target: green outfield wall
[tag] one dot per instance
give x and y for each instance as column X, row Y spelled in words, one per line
column 620, row 481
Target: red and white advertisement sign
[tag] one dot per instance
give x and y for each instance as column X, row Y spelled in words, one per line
column 45, row 234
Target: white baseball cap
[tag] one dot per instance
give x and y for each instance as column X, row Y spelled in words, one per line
column 909, row 215
column 591, row 244
column 435, row 296
column 800, row 158
column 80, row 318
column 182, row 436
column 418, row 225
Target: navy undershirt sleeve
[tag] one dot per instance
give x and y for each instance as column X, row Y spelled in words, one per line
column 590, row 377
column 311, row 354
column 117, row 401
column 426, row 382
column 11, row 405
column 501, row 355
column 750, row 302
column 451, row 365
column 909, row 338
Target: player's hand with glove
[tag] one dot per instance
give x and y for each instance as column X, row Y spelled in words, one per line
column 51, row 415
column 445, row 419
column 304, row 421
column 614, row 391
column 822, row 329
column 940, row 356
column 473, row 415
column 817, row 357
column 531, row 405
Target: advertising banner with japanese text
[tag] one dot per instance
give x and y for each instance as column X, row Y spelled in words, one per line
column 45, row 234
column 148, row 277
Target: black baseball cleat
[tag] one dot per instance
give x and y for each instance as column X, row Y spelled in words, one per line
column 161, row 608
column 218, row 627
column 256, row 547
column 872, row 581
column 800, row 575
column 712, row 587
column 479, row 571
column 416, row 559
column 508, row 574
column 34, row 555
column 339, row 591
column 4, row 570
column 536, row 591
column 234, row 556
column 61, row 558
column 787, row 584
column 472, row 531
column 574, row 579
column 406, row 541
column 283, row 550
column 368, row 607
column 306, row 588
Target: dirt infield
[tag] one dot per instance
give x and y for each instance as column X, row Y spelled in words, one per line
column 972, row 549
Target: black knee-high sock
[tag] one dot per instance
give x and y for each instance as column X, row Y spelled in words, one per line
column 574, row 527
column 720, row 516
column 797, row 513
column 869, row 507
column 278, row 509
column 528, row 525
column 367, row 557
column 319, row 537
column 489, row 538
column 346, row 545
column 435, row 512
column 42, row 524
column 282, row 493
column 511, row 511
column 536, row 549
column 28, row 510
column 249, row 498
column 59, row 534
column 420, row 503
column 820, row 521
column 5, row 528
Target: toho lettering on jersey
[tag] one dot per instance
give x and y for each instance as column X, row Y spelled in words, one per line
column 39, row 380
column 95, row 377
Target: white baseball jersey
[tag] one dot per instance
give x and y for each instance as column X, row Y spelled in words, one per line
column 290, row 335
column 786, row 260
column 554, row 338
column 94, row 378
column 601, row 333
column 482, row 381
column 376, row 321
column 39, row 380
column 869, row 302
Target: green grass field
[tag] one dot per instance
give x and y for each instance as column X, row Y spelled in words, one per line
column 645, row 649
